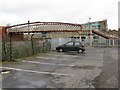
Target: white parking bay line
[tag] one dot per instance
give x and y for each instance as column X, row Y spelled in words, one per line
column 50, row 73
column 62, row 55
column 46, row 58
column 48, row 63
column 54, row 58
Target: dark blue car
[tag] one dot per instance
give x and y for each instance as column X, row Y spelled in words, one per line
column 71, row 46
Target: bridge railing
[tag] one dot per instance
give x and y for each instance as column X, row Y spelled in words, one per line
column 43, row 26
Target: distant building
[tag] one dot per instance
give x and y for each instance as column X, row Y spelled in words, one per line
column 15, row 37
column 113, row 32
column 2, row 30
column 97, row 26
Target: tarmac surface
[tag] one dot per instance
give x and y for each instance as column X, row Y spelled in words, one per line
column 64, row 70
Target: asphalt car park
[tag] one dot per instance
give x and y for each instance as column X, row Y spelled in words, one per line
column 55, row 70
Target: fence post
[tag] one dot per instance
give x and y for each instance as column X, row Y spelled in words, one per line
column 32, row 44
column 106, row 42
column 4, row 49
column 43, row 50
column 113, row 42
column 100, row 42
column 109, row 42
column 10, row 46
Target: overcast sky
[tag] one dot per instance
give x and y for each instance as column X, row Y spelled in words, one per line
column 71, row 11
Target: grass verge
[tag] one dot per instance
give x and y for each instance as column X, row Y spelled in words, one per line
column 20, row 59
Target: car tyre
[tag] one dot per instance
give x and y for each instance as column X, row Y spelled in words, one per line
column 61, row 50
column 80, row 51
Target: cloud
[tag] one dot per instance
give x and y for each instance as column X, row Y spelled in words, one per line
column 73, row 11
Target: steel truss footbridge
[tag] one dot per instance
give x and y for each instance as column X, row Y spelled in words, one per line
column 36, row 27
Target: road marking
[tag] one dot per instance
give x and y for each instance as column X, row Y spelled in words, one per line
column 50, row 73
column 48, row 63
column 46, row 58
column 62, row 55
column 55, row 59
column 5, row 72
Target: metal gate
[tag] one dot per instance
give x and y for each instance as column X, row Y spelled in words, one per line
column 58, row 41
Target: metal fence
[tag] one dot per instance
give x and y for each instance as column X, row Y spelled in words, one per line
column 102, row 42
column 12, row 50
column 95, row 42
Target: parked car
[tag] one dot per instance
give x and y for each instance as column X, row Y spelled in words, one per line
column 71, row 46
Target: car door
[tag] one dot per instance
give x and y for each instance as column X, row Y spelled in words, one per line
column 69, row 46
column 77, row 46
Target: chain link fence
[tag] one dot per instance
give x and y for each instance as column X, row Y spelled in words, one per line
column 12, row 50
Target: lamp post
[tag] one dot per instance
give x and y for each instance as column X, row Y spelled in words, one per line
column 90, row 28
column 28, row 27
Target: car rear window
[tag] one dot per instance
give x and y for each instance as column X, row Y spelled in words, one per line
column 77, row 44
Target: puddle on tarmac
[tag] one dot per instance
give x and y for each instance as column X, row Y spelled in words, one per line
column 29, row 80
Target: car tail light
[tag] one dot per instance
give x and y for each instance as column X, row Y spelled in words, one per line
column 82, row 45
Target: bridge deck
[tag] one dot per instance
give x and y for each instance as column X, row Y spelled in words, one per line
column 36, row 27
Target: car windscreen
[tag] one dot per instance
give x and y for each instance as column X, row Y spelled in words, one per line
column 69, row 44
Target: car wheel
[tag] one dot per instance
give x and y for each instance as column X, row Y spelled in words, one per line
column 60, row 50
column 80, row 51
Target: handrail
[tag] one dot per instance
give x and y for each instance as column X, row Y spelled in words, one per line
column 45, row 23
column 104, row 35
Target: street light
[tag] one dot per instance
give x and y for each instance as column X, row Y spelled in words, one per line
column 28, row 27
column 90, row 28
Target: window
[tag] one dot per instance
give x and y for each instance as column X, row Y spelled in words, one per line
column 77, row 43
column 69, row 44
column 78, row 37
column 83, row 37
